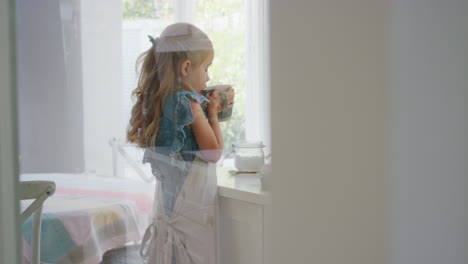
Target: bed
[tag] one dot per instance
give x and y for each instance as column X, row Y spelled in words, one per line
column 88, row 215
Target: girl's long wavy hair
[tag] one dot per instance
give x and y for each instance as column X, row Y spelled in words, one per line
column 159, row 77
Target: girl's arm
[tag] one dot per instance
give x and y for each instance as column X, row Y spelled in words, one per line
column 207, row 131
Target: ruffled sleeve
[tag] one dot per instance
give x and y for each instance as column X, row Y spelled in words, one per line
column 183, row 117
column 177, row 114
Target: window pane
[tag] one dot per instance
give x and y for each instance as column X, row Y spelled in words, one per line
column 224, row 22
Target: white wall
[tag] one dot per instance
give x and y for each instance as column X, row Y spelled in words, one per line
column 102, row 81
column 429, row 93
column 328, row 80
column 69, row 83
column 369, row 131
column 50, row 104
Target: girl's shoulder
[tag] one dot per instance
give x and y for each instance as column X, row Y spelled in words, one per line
column 181, row 95
column 178, row 105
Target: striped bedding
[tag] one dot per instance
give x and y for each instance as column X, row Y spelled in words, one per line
column 88, row 215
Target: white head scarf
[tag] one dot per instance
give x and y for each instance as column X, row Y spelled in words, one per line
column 182, row 37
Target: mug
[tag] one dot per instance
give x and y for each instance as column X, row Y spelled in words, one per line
column 226, row 112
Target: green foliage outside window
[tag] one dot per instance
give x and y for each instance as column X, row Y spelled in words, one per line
column 223, row 21
column 138, row 9
column 147, row 9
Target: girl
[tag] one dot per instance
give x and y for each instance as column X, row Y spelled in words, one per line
column 180, row 130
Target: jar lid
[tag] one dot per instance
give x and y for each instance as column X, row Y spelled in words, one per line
column 248, row 144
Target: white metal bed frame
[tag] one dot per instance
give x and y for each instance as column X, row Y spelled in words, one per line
column 118, row 148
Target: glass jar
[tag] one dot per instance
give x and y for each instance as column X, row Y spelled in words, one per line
column 248, row 156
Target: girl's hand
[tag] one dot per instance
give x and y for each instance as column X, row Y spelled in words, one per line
column 216, row 103
column 231, row 94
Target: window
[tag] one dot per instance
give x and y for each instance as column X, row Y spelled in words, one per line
column 237, row 29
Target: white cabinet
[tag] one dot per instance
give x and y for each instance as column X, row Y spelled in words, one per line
column 241, row 233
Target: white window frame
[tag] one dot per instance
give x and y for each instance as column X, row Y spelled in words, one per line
column 185, row 11
column 257, row 90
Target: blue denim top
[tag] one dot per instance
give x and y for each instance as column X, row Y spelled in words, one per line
column 175, row 140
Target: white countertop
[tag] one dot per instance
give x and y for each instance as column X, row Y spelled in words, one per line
column 244, row 187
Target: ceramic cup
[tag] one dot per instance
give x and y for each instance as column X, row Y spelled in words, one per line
column 226, row 112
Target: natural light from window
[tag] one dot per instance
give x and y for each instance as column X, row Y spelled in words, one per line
column 230, row 24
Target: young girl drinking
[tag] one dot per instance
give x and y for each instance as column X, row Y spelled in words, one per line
column 179, row 129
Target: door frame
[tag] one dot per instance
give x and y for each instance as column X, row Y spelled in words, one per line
column 10, row 249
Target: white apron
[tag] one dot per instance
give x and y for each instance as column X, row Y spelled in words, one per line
column 191, row 230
